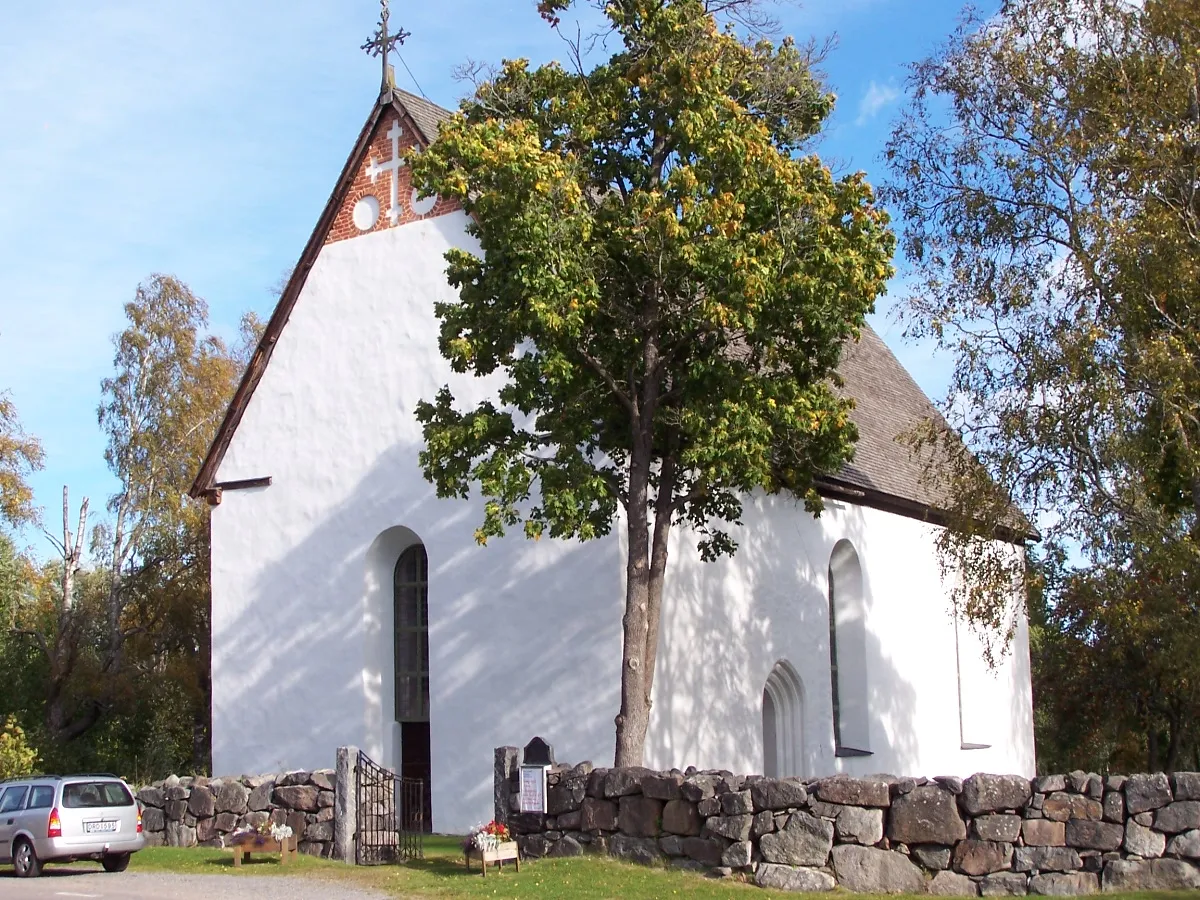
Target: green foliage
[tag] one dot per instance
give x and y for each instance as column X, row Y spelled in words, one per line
column 17, row 757
column 20, row 454
column 109, row 663
column 1047, row 170
column 666, row 284
column 657, row 266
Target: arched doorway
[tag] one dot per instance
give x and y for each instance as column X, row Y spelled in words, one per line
column 410, row 593
column 783, row 723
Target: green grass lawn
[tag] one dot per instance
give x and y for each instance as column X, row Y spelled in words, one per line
column 442, row 874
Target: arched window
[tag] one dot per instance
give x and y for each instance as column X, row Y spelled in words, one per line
column 848, row 652
column 978, row 685
column 411, row 594
column 783, row 723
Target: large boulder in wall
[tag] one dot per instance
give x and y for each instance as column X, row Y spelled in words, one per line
column 926, row 815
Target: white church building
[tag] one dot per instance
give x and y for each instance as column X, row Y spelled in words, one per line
column 351, row 606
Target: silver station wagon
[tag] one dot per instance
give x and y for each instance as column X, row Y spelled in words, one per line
column 65, row 818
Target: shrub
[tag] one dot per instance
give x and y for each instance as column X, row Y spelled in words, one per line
column 16, row 756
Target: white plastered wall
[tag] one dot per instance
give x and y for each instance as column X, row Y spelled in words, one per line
column 728, row 623
column 524, row 636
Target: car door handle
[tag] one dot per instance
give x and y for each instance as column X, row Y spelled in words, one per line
column 10, row 821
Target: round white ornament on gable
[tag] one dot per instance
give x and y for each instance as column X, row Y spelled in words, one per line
column 366, row 213
column 422, row 205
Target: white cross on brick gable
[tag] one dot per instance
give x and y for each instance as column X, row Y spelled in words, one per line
column 394, row 165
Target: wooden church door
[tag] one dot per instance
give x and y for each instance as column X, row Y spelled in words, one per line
column 411, row 596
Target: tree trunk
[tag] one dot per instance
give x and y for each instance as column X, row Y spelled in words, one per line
column 664, row 509
column 1174, row 743
column 63, row 651
column 634, row 717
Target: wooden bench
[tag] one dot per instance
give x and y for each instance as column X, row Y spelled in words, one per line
column 258, row 843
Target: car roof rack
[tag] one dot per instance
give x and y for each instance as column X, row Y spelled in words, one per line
column 52, row 777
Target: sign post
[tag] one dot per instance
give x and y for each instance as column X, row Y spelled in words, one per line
column 533, row 789
column 536, row 761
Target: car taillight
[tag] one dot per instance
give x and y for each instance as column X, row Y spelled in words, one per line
column 139, row 831
column 54, row 829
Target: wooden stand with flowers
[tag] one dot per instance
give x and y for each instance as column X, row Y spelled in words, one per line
column 255, row 842
column 491, row 843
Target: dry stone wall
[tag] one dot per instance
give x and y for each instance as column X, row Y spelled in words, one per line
column 186, row 812
column 987, row 835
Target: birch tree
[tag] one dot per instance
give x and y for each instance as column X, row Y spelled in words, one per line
column 1048, row 174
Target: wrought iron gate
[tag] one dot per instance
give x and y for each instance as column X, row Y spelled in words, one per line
column 414, row 818
column 381, row 837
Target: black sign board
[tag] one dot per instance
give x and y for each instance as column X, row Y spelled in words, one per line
column 538, row 753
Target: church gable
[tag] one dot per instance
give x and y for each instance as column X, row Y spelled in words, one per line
column 375, row 193
column 399, row 125
column 380, row 194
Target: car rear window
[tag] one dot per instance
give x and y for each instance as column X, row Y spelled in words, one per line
column 95, row 794
column 41, row 797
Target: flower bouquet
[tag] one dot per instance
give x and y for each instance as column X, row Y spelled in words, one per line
column 262, row 834
column 490, row 843
column 486, row 837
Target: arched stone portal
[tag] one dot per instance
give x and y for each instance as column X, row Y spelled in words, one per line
column 396, row 664
column 783, row 723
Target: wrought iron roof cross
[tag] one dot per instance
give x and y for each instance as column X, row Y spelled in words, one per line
column 382, row 43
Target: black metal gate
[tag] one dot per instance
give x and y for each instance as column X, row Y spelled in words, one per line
column 414, row 818
column 381, row 837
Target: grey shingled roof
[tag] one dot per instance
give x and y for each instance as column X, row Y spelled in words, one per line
column 428, row 116
column 888, row 403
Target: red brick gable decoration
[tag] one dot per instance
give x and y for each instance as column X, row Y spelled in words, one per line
column 381, row 194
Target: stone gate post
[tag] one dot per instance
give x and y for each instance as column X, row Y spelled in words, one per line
column 504, row 773
column 345, row 804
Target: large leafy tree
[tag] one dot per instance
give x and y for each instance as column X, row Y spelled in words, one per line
column 1047, row 171
column 666, row 283
column 124, row 645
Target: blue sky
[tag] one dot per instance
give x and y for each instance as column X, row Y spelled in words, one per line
column 202, row 139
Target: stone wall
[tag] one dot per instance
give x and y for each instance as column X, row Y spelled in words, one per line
column 987, row 835
column 186, row 812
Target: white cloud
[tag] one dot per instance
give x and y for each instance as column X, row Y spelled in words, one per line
column 875, row 100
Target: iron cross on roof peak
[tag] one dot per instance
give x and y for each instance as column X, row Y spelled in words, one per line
column 382, row 43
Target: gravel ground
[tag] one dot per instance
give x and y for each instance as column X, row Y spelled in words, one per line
column 65, row 882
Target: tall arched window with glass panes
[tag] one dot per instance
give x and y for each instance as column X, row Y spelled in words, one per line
column 411, row 617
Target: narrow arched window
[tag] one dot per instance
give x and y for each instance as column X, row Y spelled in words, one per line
column 783, row 723
column 411, row 594
column 848, row 652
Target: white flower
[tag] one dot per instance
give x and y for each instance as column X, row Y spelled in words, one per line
column 485, row 841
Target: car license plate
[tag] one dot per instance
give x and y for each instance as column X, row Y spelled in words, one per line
column 99, row 827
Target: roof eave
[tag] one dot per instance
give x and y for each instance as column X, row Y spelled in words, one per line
column 839, row 489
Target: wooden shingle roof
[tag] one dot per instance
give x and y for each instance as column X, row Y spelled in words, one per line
column 427, row 116
column 887, row 404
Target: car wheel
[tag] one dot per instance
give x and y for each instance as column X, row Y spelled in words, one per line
column 115, row 862
column 25, row 861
